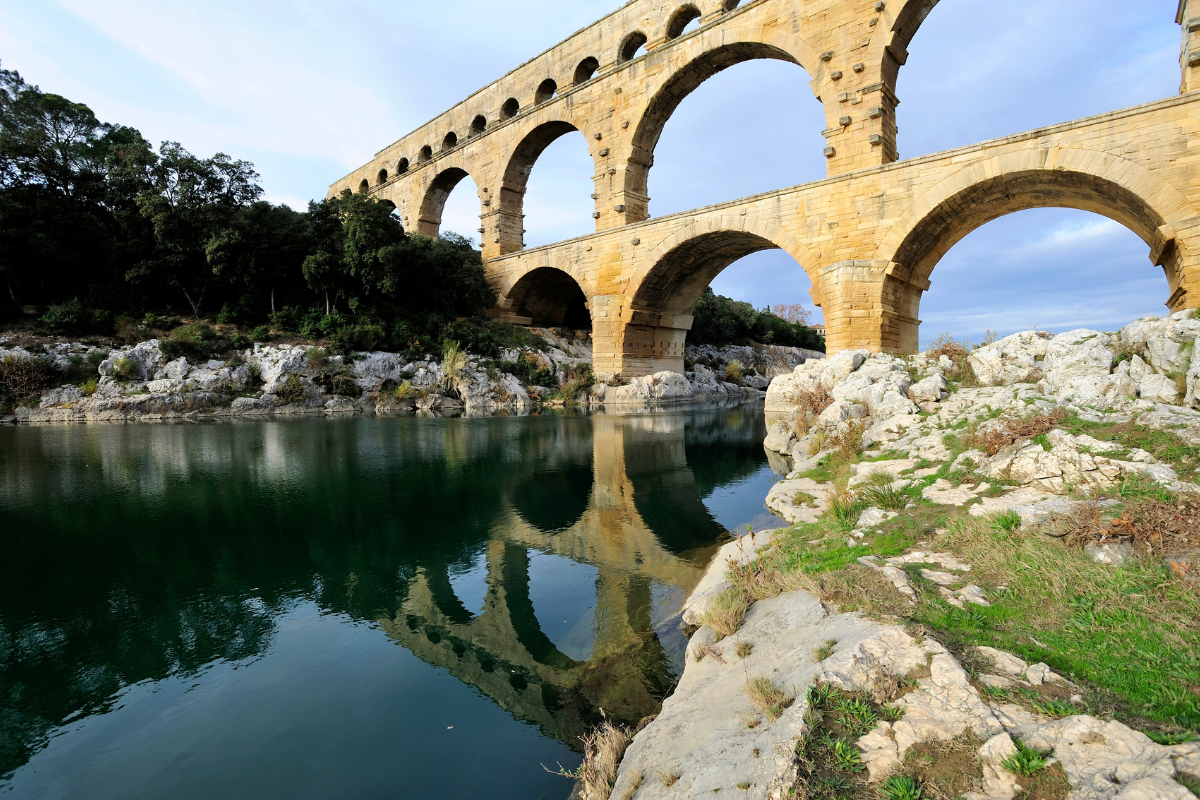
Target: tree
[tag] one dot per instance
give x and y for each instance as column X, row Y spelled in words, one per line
column 795, row 313
column 191, row 203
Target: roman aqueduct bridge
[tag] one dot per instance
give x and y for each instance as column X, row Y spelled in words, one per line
column 869, row 235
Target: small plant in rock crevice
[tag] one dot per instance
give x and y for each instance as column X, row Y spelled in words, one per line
column 825, row 650
column 901, row 787
column 603, row 749
column 1026, row 761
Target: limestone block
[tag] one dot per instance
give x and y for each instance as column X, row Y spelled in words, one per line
column 933, row 389
column 1013, row 359
column 1157, row 389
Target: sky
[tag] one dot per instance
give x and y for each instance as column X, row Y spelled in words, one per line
column 309, row 90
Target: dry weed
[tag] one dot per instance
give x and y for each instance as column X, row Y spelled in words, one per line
column 994, row 437
column 603, row 750
column 726, row 611
column 1152, row 526
column 770, row 699
column 809, row 405
column 758, row 580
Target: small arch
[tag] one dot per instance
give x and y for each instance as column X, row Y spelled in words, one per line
column 364, row 187
column 382, row 177
column 730, row 5
column 682, row 18
column 586, row 70
column 510, row 109
column 478, row 125
column 450, row 142
column 633, row 43
column 426, row 153
column 402, row 167
column 549, row 297
column 545, row 91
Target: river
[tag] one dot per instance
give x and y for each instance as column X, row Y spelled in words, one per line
column 350, row 608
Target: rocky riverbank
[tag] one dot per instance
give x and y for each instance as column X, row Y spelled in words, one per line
column 142, row 383
column 988, row 589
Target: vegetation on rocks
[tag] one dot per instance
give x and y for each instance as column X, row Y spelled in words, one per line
column 720, row 320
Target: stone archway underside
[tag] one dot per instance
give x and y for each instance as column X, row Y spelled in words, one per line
column 868, row 236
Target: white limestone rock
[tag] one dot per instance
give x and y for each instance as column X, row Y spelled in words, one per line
column 1168, row 342
column 145, row 355
column 743, row 551
column 1013, row 359
column 781, row 500
column 932, row 389
column 1157, row 389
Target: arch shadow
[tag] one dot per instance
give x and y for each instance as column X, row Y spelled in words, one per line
column 549, row 297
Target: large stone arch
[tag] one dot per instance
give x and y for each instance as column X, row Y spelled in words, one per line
column 433, row 203
column 664, row 290
column 706, row 54
column 518, row 164
column 1088, row 180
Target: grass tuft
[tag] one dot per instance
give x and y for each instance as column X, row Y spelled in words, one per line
column 770, row 699
column 825, row 650
column 901, row 787
column 726, row 611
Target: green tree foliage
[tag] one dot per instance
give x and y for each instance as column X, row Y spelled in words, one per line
column 719, row 320
column 94, row 223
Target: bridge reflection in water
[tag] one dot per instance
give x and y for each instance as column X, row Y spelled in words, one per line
column 131, row 555
column 628, row 504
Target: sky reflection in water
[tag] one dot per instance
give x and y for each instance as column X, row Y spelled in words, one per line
column 356, row 608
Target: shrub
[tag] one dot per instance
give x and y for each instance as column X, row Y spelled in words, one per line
column 22, row 379
column 316, row 324
column 231, row 314
column 196, row 342
column 992, row 437
column 734, row 372
column 603, row 750
column 810, row 403
column 126, row 369
column 719, row 320
column 76, row 316
column 241, row 342
column 84, row 367
column 402, row 391
column 528, row 370
column 89, row 387
column 261, row 334
column 357, row 338
column 292, row 391
column 573, row 380
column 286, row 319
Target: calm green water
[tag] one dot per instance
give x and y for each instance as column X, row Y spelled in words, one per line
column 359, row 608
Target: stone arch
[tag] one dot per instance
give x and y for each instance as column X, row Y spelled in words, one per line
column 704, row 55
column 630, row 46
column 426, row 154
column 682, row 17
column 450, row 142
column 402, row 166
column 516, row 175
column 429, row 222
column 364, row 187
column 730, row 5
column 511, row 107
column 674, row 275
column 382, row 177
column 1087, row 180
column 547, row 297
column 545, row 91
column 586, row 70
column 665, row 289
column 478, row 125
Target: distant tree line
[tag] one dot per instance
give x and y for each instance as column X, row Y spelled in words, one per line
column 97, row 223
column 721, row 320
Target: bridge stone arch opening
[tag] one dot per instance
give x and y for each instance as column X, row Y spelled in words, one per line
column 982, row 198
column 508, row 221
column 433, row 207
column 660, row 312
column 667, row 99
column 547, row 297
